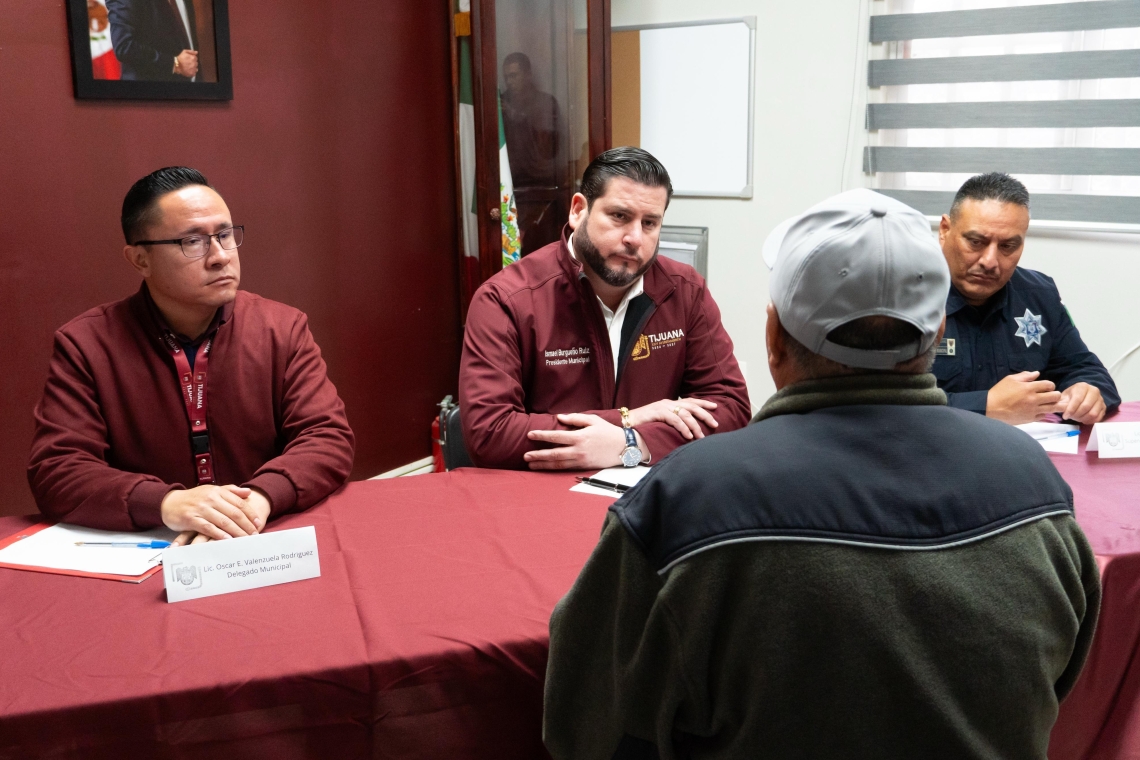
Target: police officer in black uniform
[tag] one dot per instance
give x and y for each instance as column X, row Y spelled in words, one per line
column 1011, row 350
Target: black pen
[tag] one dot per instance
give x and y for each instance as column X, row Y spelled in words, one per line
column 603, row 484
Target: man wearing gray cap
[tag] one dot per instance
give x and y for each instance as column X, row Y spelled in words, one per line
column 863, row 572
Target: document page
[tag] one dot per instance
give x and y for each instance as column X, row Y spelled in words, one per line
column 1058, row 438
column 55, row 548
column 612, row 481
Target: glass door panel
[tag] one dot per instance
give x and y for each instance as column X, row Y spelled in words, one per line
column 543, row 82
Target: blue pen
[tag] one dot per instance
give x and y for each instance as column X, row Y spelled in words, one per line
column 1051, row 436
column 126, row 544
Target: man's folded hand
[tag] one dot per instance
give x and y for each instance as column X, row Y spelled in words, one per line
column 1022, row 398
column 685, row 414
column 1083, row 403
column 215, row 512
column 595, row 445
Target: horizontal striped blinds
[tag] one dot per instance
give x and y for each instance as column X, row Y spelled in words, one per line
column 1008, row 114
column 1063, row 17
column 1061, row 207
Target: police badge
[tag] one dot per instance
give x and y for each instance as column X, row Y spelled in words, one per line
column 1029, row 328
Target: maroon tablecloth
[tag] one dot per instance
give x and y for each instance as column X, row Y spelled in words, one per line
column 1101, row 717
column 424, row 637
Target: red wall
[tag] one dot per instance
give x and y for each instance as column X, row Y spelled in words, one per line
column 336, row 153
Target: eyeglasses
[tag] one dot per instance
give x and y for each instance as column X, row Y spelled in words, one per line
column 197, row 246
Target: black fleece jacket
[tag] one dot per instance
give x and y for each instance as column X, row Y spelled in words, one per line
column 862, row 573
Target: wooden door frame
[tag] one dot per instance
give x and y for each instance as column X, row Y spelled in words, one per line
column 600, row 62
column 485, row 86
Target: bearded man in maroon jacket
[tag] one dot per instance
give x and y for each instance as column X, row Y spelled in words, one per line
column 593, row 351
column 190, row 404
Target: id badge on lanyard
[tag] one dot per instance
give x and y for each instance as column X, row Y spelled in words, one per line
column 193, row 385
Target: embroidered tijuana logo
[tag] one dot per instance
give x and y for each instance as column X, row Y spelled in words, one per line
column 562, row 356
column 647, row 343
column 640, row 349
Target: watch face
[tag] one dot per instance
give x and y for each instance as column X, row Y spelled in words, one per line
column 631, row 457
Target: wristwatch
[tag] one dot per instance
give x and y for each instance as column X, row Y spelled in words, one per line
column 631, row 455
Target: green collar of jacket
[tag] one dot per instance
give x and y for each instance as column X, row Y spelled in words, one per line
column 848, row 390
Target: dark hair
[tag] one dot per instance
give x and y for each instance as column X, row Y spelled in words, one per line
column 520, row 58
column 142, row 199
column 631, row 163
column 873, row 333
column 993, row 186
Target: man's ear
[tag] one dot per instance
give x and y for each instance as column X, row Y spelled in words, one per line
column 774, row 338
column 139, row 258
column 941, row 331
column 943, row 229
column 579, row 208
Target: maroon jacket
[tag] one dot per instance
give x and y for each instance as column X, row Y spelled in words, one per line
column 112, row 438
column 536, row 345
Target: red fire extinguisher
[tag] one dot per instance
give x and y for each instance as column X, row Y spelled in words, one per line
column 436, row 449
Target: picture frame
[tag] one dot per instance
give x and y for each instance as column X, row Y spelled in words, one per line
column 154, row 30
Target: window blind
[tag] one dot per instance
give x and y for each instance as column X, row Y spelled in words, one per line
column 900, row 29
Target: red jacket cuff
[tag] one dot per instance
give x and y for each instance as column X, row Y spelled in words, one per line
column 612, row 416
column 144, row 505
column 278, row 488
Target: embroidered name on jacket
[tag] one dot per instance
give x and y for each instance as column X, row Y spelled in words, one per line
column 561, row 356
column 646, row 343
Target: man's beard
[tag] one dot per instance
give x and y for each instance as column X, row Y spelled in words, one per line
column 589, row 255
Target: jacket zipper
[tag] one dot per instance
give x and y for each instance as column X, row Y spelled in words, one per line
column 636, row 331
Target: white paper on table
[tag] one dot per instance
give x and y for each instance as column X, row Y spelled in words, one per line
column 1055, row 437
column 1115, row 440
column 618, row 476
column 55, row 547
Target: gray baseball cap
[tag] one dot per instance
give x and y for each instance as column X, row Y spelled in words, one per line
column 857, row 254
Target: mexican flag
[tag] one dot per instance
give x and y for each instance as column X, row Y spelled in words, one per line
column 104, row 64
column 508, row 213
column 467, row 143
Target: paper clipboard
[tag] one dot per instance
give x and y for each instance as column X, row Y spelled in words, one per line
column 33, row 529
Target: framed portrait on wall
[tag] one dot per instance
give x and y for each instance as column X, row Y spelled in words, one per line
column 150, row 49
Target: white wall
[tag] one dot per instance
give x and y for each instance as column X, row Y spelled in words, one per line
column 809, row 137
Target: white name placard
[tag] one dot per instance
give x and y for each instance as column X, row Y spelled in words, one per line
column 238, row 564
column 1115, row 440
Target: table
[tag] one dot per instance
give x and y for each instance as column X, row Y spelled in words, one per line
column 424, row 637
column 1101, row 717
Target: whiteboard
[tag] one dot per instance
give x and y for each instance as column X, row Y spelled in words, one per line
column 696, row 111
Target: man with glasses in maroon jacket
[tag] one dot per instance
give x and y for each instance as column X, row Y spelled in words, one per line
column 593, row 351
column 190, row 404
